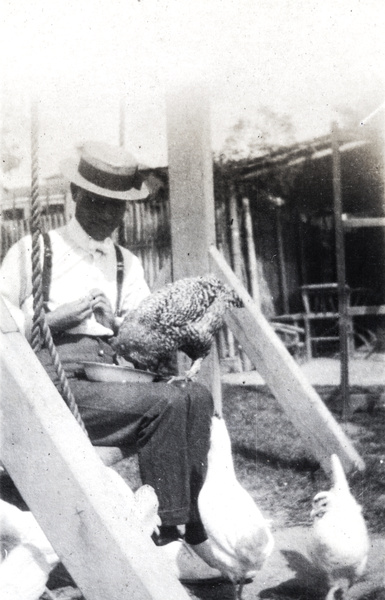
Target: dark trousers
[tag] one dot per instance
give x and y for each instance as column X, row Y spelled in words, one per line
column 168, row 424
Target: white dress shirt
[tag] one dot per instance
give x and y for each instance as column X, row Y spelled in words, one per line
column 79, row 264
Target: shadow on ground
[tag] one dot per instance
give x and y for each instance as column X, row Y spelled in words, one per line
column 289, row 575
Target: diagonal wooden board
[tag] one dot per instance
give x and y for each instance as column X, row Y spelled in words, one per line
column 87, row 517
column 318, row 429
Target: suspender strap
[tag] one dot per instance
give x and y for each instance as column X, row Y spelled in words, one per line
column 47, row 273
column 119, row 278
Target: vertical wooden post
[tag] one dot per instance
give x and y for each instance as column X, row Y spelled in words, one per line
column 120, row 233
column 68, row 206
column 341, row 272
column 122, row 121
column 236, row 237
column 381, row 137
column 191, row 195
column 235, row 252
column 190, row 180
column 252, row 257
column 281, row 258
column 238, row 261
column 302, row 253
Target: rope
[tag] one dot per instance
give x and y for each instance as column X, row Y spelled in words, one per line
column 41, row 333
column 36, row 232
column 64, row 385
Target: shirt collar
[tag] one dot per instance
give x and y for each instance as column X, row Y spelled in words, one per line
column 86, row 242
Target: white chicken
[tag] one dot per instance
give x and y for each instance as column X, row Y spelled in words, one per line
column 339, row 542
column 27, row 556
column 239, row 536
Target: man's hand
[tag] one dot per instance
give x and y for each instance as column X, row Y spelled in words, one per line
column 70, row 314
column 102, row 308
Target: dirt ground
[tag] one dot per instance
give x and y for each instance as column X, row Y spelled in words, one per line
column 283, row 478
column 289, row 575
column 274, row 466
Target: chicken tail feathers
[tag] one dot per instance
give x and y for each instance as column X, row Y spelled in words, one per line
column 252, row 551
column 340, row 482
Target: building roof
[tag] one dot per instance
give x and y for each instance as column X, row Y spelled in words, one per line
column 295, row 154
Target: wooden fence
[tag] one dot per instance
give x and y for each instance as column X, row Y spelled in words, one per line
column 12, row 230
column 146, row 231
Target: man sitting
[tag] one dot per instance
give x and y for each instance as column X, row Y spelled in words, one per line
column 89, row 283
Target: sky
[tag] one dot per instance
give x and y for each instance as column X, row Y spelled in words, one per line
column 80, row 60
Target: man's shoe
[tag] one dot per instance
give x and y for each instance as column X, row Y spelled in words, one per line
column 187, row 565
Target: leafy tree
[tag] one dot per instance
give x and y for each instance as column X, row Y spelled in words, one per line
column 250, row 138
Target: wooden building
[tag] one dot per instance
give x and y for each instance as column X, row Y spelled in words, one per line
column 291, row 200
column 291, row 212
column 291, row 195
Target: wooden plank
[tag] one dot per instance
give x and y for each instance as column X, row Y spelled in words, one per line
column 191, row 195
column 344, row 325
column 353, row 311
column 289, row 317
column 88, row 518
column 353, row 222
column 357, row 311
column 318, row 429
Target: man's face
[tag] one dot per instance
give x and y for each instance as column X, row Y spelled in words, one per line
column 98, row 216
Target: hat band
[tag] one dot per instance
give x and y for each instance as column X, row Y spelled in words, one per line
column 109, row 181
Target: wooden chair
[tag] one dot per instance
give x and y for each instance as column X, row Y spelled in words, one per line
column 292, row 335
column 320, row 302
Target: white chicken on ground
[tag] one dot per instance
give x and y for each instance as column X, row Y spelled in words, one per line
column 339, row 542
column 27, row 557
column 239, row 536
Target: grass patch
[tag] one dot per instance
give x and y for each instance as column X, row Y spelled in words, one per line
column 282, row 475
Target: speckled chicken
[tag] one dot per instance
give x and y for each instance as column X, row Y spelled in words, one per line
column 184, row 315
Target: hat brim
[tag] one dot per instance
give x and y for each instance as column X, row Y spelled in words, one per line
column 69, row 169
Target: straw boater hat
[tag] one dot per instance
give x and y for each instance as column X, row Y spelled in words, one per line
column 106, row 170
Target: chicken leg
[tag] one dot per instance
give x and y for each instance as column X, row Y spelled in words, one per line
column 239, row 589
column 191, row 373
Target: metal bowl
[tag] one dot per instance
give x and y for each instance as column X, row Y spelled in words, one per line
column 101, row 372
